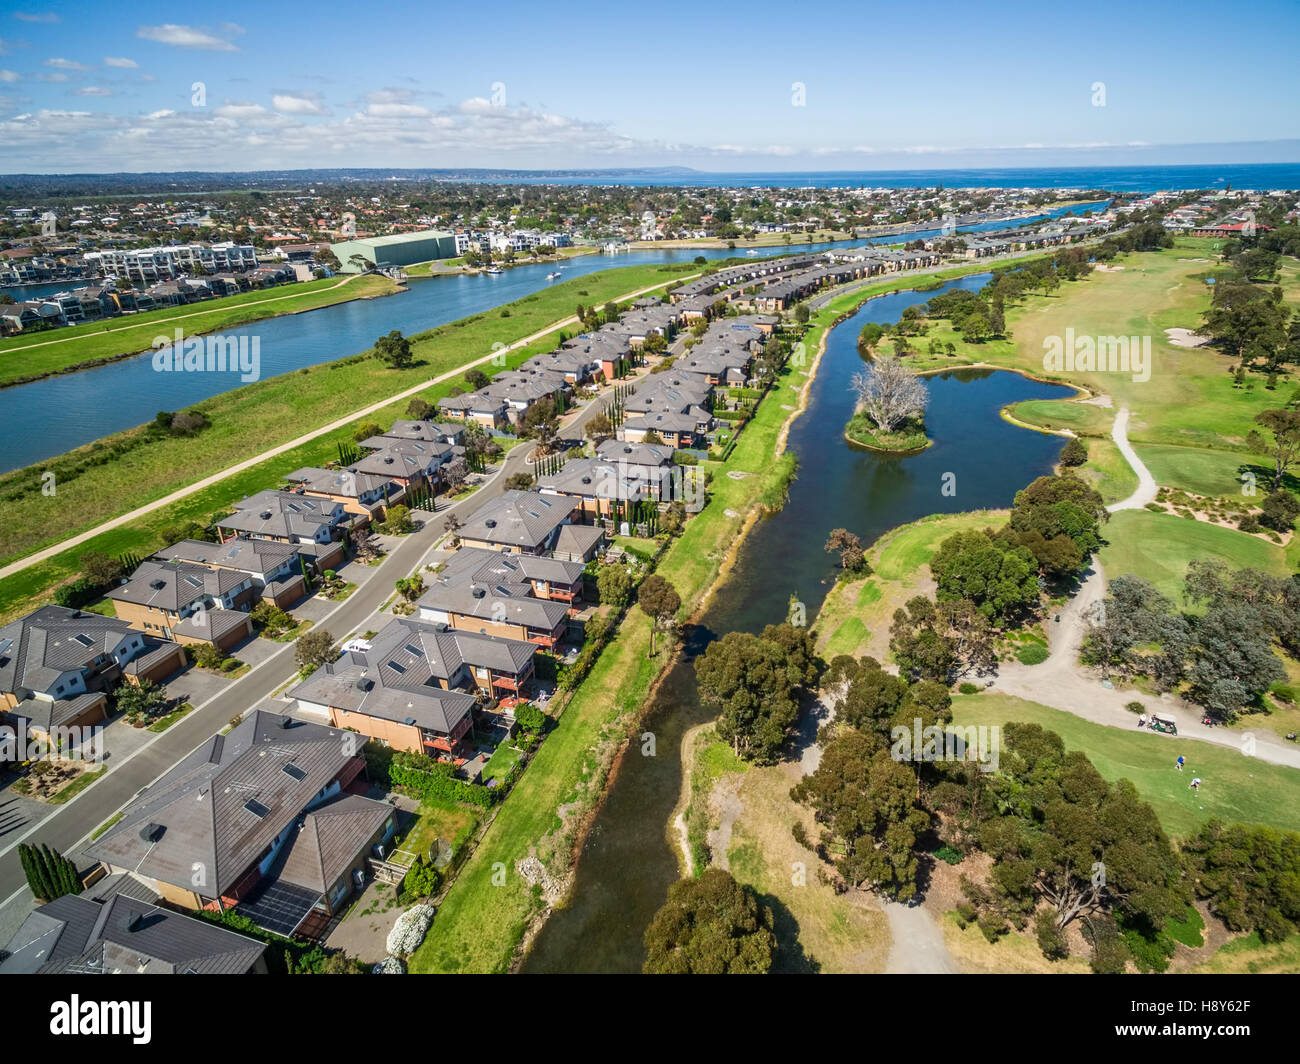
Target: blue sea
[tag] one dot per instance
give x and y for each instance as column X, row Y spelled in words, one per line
column 1113, row 178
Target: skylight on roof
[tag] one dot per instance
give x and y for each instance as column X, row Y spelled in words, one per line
column 256, row 808
column 399, row 669
column 293, row 770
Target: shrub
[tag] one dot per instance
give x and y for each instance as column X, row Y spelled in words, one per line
column 968, row 688
column 1033, row 654
column 409, row 930
column 1134, row 707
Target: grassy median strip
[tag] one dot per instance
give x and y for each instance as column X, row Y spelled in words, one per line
column 247, row 421
column 33, row 355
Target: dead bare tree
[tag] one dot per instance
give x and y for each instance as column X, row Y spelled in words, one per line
column 889, row 393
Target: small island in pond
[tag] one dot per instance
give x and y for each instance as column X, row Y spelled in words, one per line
column 890, row 412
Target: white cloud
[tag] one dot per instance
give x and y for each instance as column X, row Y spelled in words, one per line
column 118, row 61
column 299, row 103
column 187, row 37
column 166, row 112
column 240, row 110
column 38, row 16
column 396, row 110
column 52, row 77
column 94, row 90
column 10, row 76
column 64, row 64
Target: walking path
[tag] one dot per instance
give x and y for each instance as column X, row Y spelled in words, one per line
column 208, row 481
column 1062, row 683
column 1147, row 486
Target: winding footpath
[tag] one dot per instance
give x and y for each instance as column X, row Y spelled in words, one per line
column 1062, row 683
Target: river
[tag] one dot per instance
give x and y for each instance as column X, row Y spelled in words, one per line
column 54, row 415
column 628, row 861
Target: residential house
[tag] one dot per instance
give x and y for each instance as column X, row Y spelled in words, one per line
column 275, row 569
column 231, row 825
column 362, row 494
column 187, row 602
column 57, row 666
column 313, row 525
column 76, row 935
column 414, row 685
column 517, row 596
column 518, row 522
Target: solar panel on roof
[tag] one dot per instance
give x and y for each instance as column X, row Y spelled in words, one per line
column 256, row 808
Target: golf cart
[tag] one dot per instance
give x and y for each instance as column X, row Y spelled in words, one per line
column 1164, row 722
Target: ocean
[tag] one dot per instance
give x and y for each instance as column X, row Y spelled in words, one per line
column 1113, row 178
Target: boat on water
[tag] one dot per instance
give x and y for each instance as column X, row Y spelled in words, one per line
column 552, row 276
column 494, row 269
column 751, row 251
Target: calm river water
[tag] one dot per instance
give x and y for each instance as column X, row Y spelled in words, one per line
column 628, row 862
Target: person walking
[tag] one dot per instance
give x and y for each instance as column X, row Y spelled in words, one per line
column 1179, row 762
column 1195, row 785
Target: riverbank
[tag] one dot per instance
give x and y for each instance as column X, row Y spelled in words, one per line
column 73, row 348
column 153, row 483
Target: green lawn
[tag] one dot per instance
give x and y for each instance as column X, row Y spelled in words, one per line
column 1201, row 470
column 856, row 615
column 1108, row 471
column 39, row 354
column 1235, row 787
column 1158, row 548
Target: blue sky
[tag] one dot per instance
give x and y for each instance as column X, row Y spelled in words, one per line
column 767, row 86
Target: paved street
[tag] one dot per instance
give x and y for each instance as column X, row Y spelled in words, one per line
column 67, row 826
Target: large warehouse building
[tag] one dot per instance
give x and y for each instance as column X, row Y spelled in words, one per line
column 401, row 249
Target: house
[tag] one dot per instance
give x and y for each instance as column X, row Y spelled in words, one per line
column 76, row 935
column 229, row 826
column 490, row 411
column 187, row 602
column 407, row 462
column 57, row 665
column 578, row 543
column 274, row 569
column 596, row 485
column 314, row 525
column 522, row 522
column 517, row 596
column 406, row 687
column 362, row 494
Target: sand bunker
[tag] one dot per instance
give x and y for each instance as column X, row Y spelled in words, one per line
column 1185, row 338
column 1103, row 268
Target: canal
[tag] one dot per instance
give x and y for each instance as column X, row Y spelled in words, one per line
column 629, row 861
